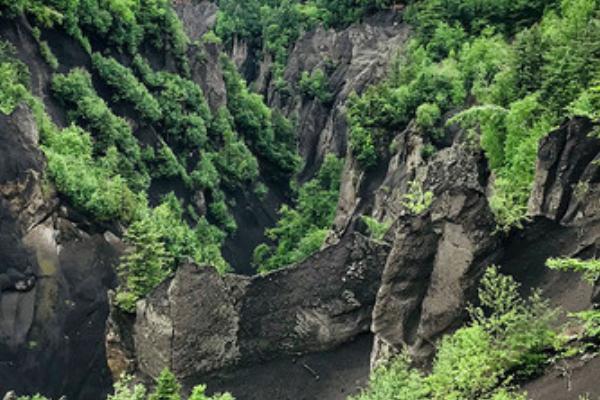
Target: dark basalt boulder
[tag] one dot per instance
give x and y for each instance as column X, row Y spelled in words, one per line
column 436, row 258
column 53, row 279
column 199, row 321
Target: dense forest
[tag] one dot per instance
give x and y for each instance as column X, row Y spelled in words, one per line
column 505, row 73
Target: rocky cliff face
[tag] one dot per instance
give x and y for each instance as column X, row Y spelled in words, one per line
column 408, row 289
column 352, row 59
column 53, row 278
column 437, row 258
column 200, row 322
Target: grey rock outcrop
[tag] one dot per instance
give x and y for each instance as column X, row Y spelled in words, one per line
column 566, row 188
column 197, row 17
column 436, row 258
column 53, row 278
column 200, row 321
column 352, row 59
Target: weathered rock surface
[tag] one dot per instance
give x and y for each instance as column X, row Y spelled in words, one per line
column 567, row 187
column 436, row 258
column 197, row 17
column 199, row 321
column 352, row 58
column 53, row 279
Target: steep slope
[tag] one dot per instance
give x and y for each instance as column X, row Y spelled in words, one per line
column 136, row 164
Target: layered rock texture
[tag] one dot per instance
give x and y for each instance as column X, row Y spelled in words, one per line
column 200, row 321
column 402, row 292
column 352, row 59
column 53, row 278
column 437, row 258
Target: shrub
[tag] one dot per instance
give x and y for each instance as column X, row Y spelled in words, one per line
column 479, row 361
column 427, row 116
column 211, row 38
column 235, row 161
column 199, row 393
column 14, row 79
column 161, row 240
column 127, row 86
column 147, row 265
column 165, row 164
column 167, row 387
column 219, row 212
column 302, row 230
column 205, row 175
column 590, row 268
column 377, row 229
column 267, row 133
column 315, row 85
column 76, row 92
column 92, row 185
column 124, row 391
column 416, row 200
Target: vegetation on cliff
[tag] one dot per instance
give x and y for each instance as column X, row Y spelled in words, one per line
column 508, row 337
column 301, row 231
column 515, row 74
column 105, row 166
column 260, row 23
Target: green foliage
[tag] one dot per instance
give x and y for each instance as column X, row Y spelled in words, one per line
column 267, row 133
column 219, row 212
column 123, row 24
column 427, row 116
column 76, row 92
column 377, row 229
column 235, row 161
column 92, row 184
column 34, row 397
column 590, row 268
column 167, row 387
column 45, row 50
column 461, row 52
column 123, row 390
column 591, row 322
column 587, row 104
column 416, row 200
column 14, row 79
column 507, row 334
column 389, row 106
column 315, row 85
column 302, row 230
column 510, row 139
column 160, row 241
column 571, row 59
column 164, row 163
column 259, row 23
column 211, row 38
column 396, row 381
column 127, row 87
column 199, row 393
column 185, row 112
column 475, row 15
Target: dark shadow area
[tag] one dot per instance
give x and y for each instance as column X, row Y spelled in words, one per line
column 331, row 375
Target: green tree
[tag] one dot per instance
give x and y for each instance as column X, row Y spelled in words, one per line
column 167, row 387
column 127, row 86
column 302, row 230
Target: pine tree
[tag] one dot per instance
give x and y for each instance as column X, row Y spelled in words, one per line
column 167, row 387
